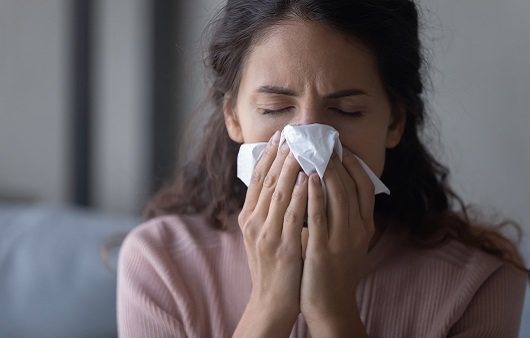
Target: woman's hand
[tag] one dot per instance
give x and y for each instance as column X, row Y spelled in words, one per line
column 338, row 243
column 271, row 222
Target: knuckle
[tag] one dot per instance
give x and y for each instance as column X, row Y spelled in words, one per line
column 284, row 149
column 341, row 198
column 297, row 194
column 248, row 228
column 269, row 151
column 256, row 177
column 242, row 218
column 263, row 244
column 269, row 181
column 291, row 217
column 284, row 253
column 278, row 196
column 288, row 164
column 318, row 218
column 291, row 165
column 249, row 233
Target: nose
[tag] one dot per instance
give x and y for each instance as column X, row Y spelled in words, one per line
column 308, row 115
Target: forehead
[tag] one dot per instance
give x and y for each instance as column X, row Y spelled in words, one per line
column 301, row 53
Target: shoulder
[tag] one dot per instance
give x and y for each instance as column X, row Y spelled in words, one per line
column 483, row 293
column 463, row 267
column 174, row 268
column 486, row 294
column 178, row 234
column 177, row 243
column 450, row 289
column 453, row 273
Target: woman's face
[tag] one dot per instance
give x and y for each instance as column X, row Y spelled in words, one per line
column 303, row 72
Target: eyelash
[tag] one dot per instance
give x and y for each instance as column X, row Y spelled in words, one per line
column 356, row 114
column 274, row 112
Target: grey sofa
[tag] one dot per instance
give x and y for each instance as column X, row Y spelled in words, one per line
column 53, row 283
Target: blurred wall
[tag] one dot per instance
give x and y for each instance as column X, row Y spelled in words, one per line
column 121, row 135
column 36, row 116
column 481, row 78
column 479, row 51
column 193, row 17
column 33, row 71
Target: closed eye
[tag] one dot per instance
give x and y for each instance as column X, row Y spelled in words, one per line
column 355, row 114
column 275, row 111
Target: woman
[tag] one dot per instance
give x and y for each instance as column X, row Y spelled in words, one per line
column 218, row 260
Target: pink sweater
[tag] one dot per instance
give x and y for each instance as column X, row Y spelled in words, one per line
column 180, row 278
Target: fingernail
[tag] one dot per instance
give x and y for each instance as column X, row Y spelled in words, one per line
column 316, row 179
column 276, row 137
column 301, row 178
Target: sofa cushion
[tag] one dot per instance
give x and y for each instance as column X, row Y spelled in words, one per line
column 53, row 282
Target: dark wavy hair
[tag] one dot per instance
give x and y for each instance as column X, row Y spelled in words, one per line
column 421, row 202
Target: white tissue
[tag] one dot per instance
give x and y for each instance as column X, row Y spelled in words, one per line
column 312, row 146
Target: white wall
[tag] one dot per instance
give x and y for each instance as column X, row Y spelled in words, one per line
column 33, row 71
column 481, row 79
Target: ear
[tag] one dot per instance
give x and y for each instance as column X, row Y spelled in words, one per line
column 396, row 126
column 231, row 121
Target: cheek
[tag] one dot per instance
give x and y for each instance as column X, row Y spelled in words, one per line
column 372, row 153
column 257, row 132
column 376, row 162
column 260, row 129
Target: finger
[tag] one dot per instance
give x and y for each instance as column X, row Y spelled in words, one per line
column 365, row 186
column 337, row 200
column 294, row 215
column 351, row 188
column 316, row 213
column 269, row 183
column 260, row 171
column 282, row 195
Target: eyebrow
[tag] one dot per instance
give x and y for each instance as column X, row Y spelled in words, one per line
column 275, row 90
column 288, row 92
column 345, row 93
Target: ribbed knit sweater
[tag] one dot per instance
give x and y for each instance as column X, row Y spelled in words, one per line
column 178, row 277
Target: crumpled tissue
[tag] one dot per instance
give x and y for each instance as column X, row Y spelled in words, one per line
column 311, row 144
